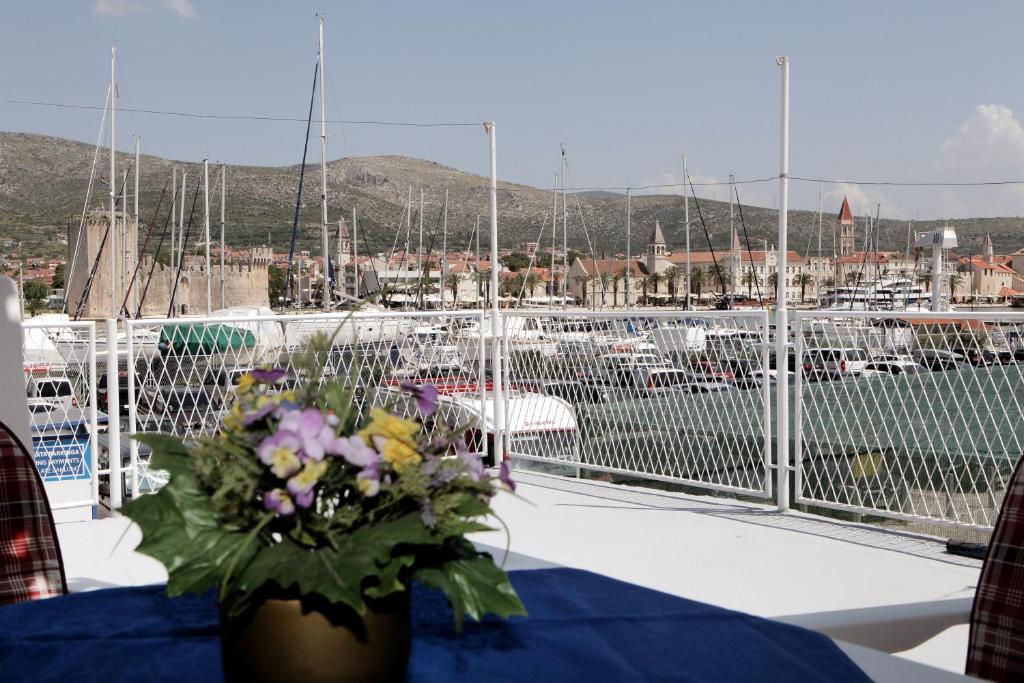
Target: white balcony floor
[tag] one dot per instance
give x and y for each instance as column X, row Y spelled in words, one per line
column 742, row 556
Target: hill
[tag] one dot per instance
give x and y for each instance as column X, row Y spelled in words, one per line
column 43, row 182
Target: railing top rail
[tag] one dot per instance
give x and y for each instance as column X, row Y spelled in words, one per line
column 675, row 314
column 74, row 324
column 299, row 318
column 985, row 316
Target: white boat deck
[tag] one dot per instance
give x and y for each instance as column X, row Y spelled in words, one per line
column 742, row 556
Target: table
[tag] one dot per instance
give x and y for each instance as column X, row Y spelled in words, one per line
column 582, row 626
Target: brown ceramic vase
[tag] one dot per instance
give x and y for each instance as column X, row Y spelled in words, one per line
column 292, row 640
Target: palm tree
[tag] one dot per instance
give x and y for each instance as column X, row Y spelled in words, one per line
column 773, row 282
column 697, row 280
column 804, row 281
column 853, row 278
column 925, row 280
column 655, row 280
column 829, row 282
column 955, row 281
column 672, row 276
column 750, row 279
column 604, row 279
column 530, row 281
column 452, row 281
column 616, row 279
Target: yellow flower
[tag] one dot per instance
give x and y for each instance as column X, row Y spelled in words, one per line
column 284, row 462
column 383, row 423
column 233, row 420
column 400, row 454
column 245, row 384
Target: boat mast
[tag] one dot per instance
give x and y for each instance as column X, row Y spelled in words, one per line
column 686, row 220
column 113, row 184
column 174, row 218
column 821, row 218
column 479, row 279
column 419, row 257
column 326, row 298
column 565, row 237
column 444, row 254
column 629, row 245
column 135, row 246
column 554, row 227
column 735, row 246
column 206, row 221
column 223, row 246
column 355, row 255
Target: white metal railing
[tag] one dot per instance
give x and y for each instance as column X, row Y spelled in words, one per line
column 911, row 416
column 64, row 417
column 677, row 396
column 641, row 393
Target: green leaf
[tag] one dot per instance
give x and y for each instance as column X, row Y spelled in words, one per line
column 169, row 453
column 474, row 586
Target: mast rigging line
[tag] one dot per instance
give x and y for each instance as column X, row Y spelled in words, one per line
column 298, row 199
column 250, row 117
column 750, row 253
column 586, row 233
column 156, row 253
column 707, row 236
column 181, row 261
column 145, row 243
column 87, row 289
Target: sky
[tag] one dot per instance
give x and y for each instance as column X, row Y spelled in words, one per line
column 880, row 91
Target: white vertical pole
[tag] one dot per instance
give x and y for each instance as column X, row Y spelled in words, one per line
column 419, row 257
column 133, row 446
column 781, row 320
column 496, row 363
column 113, row 184
column 113, row 416
column 686, row 220
column 355, row 255
column 444, row 255
column 206, row 210
column 629, row 247
column 94, row 446
column 937, row 239
column 133, row 254
column 223, row 243
column 734, row 245
column 565, row 237
column 174, row 216
column 554, row 227
column 326, row 298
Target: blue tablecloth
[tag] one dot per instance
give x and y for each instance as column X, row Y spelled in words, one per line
column 582, row 626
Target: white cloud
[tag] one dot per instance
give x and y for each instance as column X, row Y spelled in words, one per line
column 117, row 8
column 863, row 200
column 993, row 138
column 183, row 8
column 123, row 8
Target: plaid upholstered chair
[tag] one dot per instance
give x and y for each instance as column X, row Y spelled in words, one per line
column 30, row 562
column 995, row 647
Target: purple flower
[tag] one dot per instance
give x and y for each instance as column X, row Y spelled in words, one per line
column 355, row 451
column 474, row 464
column 316, row 436
column 269, row 376
column 256, row 415
column 279, row 501
column 280, row 451
column 368, row 481
column 426, row 397
column 505, row 474
column 302, row 484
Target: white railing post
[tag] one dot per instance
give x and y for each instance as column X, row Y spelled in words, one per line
column 496, row 326
column 113, row 417
column 766, row 400
column 133, row 445
column 481, row 366
column 798, row 412
column 781, row 319
column 94, row 444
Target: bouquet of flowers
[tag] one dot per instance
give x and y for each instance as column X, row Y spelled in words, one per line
column 299, row 494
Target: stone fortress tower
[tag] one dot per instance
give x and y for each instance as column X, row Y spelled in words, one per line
column 245, row 279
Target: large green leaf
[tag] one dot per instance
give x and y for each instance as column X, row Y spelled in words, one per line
column 180, row 527
column 474, row 586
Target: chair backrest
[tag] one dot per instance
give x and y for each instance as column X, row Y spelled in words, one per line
column 995, row 647
column 31, row 566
